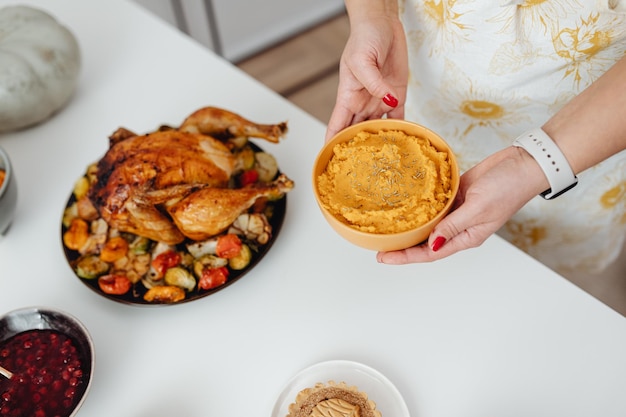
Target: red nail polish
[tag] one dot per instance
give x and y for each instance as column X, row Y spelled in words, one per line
column 390, row 100
column 438, row 243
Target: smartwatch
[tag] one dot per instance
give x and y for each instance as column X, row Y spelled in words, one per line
column 551, row 160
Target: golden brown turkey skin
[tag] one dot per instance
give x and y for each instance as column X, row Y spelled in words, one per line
column 140, row 173
column 224, row 124
column 168, row 158
column 209, row 211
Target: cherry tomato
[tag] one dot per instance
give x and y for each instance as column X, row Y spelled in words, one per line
column 166, row 260
column 228, row 246
column 114, row 284
column 248, row 177
column 213, row 277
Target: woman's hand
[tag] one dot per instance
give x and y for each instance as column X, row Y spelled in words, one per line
column 373, row 70
column 489, row 194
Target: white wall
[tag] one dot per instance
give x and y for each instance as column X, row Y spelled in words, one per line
column 238, row 28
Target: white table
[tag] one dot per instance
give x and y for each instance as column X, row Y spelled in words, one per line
column 489, row 332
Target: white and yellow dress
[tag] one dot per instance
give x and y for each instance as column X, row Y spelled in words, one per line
column 484, row 71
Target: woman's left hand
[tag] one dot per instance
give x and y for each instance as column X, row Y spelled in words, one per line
column 489, row 194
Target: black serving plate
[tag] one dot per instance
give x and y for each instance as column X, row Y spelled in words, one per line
column 136, row 293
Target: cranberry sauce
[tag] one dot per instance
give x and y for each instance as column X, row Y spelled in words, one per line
column 47, row 375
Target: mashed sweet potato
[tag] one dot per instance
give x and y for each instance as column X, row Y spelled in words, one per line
column 386, row 182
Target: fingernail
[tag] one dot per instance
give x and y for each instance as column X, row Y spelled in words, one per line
column 390, row 100
column 438, row 243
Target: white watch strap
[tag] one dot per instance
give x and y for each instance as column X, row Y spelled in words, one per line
column 551, row 160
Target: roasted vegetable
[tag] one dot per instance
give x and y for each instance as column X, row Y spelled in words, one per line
column 164, row 256
column 164, row 294
column 242, row 259
column 76, row 236
column 180, row 277
column 114, row 284
column 213, row 277
column 114, row 249
column 98, row 234
column 140, row 245
column 266, row 166
column 254, row 227
column 248, row 177
column 228, row 246
column 81, row 187
column 244, row 159
column 238, row 142
column 133, row 266
column 91, row 266
column 86, row 209
column 207, row 261
column 69, row 214
column 205, row 247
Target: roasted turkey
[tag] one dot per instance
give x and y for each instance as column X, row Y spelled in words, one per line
column 175, row 183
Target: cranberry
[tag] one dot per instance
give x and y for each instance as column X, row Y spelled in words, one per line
column 70, row 392
column 57, row 385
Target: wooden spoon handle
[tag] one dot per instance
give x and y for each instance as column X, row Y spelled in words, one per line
column 6, row 373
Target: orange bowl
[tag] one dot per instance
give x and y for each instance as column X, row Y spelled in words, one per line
column 394, row 240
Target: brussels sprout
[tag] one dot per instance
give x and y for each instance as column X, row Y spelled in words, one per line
column 242, row 259
column 140, row 245
column 90, row 267
column 180, row 277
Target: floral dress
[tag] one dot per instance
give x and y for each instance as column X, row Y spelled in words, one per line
column 484, row 71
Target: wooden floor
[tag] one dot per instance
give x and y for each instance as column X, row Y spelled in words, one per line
column 304, row 69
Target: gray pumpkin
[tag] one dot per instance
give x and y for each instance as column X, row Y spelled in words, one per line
column 39, row 66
